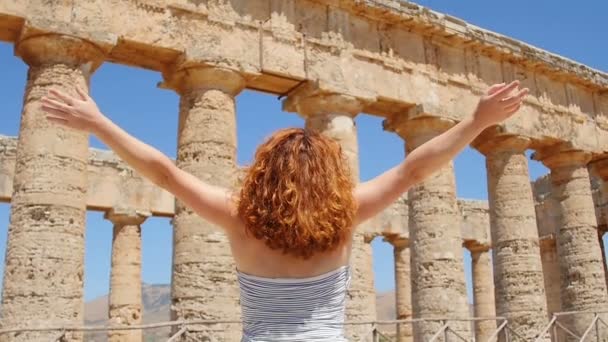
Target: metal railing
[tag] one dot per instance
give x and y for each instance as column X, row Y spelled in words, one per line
column 445, row 332
column 558, row 328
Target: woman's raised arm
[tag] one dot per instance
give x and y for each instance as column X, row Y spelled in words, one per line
column 210, row 202
column 499, row 103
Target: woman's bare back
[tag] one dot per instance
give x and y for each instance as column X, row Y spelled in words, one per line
column 254, row 257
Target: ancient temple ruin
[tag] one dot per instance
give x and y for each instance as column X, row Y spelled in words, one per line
column 536, row 247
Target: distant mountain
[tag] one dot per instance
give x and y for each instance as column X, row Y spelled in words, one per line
column 157, row 302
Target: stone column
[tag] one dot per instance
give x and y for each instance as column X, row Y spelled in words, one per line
column 438, row 280
column 600, row 169
column 332, row 115
column 518, row 273
column 204, row 284
column 403, row 287
column 125, row 275
column 43, row 275
column 483, row 292
column 552, row 275
column 583, row 286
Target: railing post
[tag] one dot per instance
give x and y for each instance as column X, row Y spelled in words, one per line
column 555, row 336
column 59, row 336
column 177, row 334
column 593, row 323
column 597, row 331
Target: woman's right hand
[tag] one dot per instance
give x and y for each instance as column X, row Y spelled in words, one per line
column 79, row 112
column 500, row 102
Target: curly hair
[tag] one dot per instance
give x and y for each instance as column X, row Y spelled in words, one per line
column 297, row 196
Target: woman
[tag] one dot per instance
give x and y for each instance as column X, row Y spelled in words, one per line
column 290, row 226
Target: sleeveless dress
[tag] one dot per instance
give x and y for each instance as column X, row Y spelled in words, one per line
column 287, row 310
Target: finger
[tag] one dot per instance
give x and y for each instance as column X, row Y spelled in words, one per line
column 61, row 96
column 506, row 90
column 48, row 102
column 83, row 95
column 513, row 99
column 56, row 119
column 514, row 109
column 510, row 101
column 55, row 111
column 493, row 89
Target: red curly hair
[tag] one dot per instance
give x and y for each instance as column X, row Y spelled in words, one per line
column 297, row 196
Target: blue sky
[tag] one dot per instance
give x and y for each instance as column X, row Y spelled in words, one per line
column 130, row 97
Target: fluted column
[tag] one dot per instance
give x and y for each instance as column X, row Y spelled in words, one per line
column 125, row 274
column 483, row 292
column 583, row 285
column 403, row 287
column 333, row 115
column 43, row 275
column 204, row 284
column 438, row 280
column 518, row 272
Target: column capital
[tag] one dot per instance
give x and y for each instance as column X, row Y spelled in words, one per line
column 599, row 168
column 186, row 76
column 475, row 247
column 43, row 48
column 561, row 155
column 413, row 123
column 126, row 216
column 398, row 241
column 309, row 100
column 491, row 141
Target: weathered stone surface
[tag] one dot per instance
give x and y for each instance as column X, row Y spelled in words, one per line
column 438, row 281
column 125, row 274
column 390, row 55
column 204, row 284
column 483, row 292
column 552, row 274
column 113, row 183
column 333, row 59
column 551, row 271
column 599, row 187
column 8, row 153
column 547, row 208
column 43, row 275
column 392, row 221
column 361, row 302
column 518, row 274
column 474, row 222
column 547, row 221
column 583, row 285
column 403, row 287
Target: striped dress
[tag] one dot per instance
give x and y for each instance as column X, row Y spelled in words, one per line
column 288, row 310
